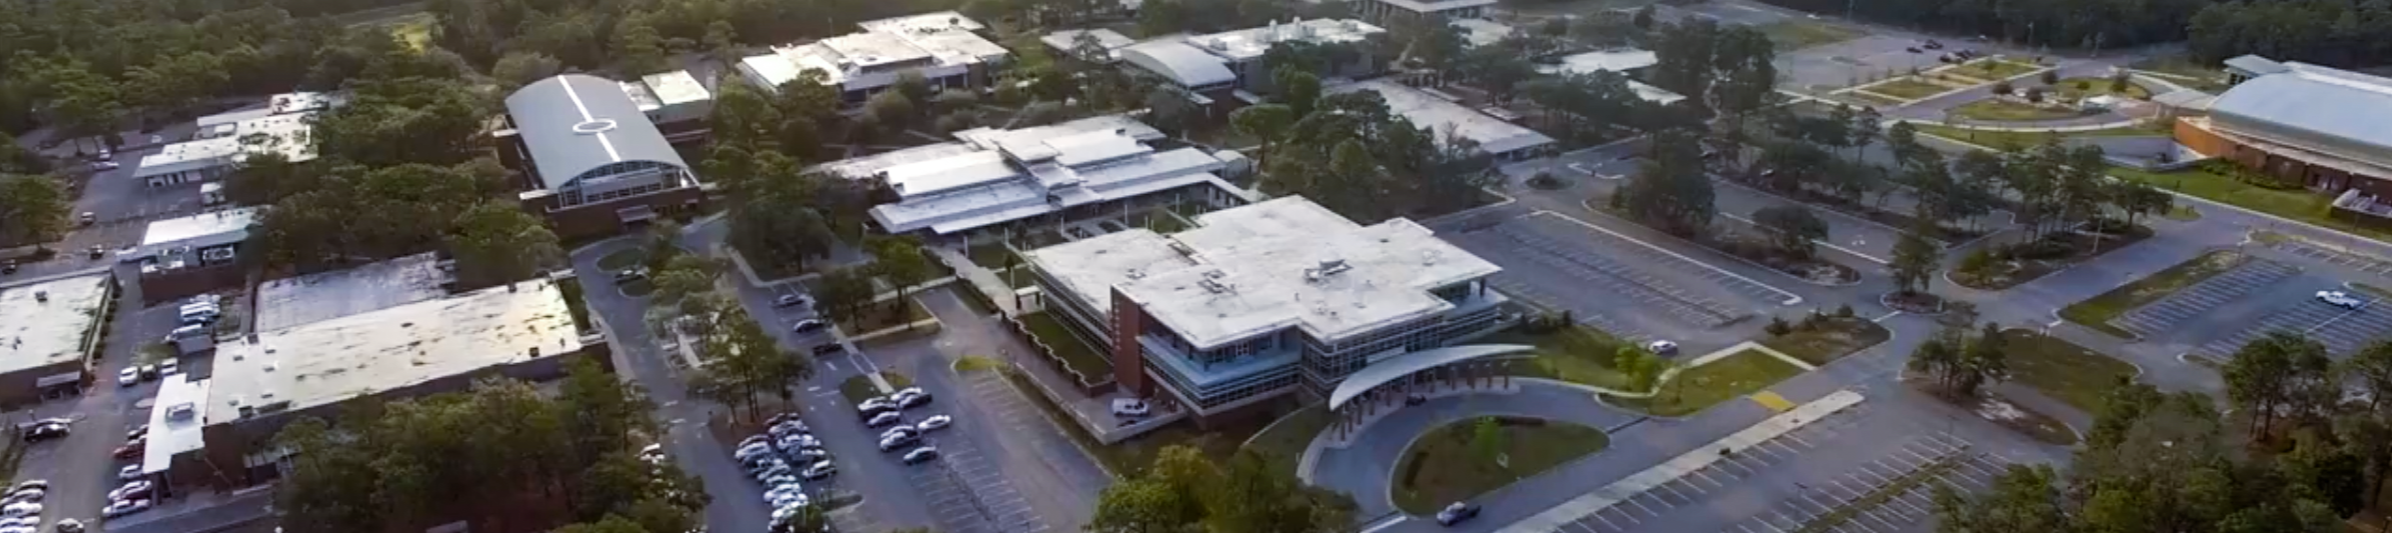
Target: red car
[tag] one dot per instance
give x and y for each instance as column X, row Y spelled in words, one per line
column 131, row 450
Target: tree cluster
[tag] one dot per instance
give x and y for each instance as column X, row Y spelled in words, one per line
column 2336, row 33
column 2058, row 23
column 1185, row 492
column 1670, row 191
column 1959, row 363
column 33, row 209
column 1724, row 69
column 501, row 454
column 744, row 362
column 1351, row 154
column 2170, row 462
column 83, row 66
column 1601, row 106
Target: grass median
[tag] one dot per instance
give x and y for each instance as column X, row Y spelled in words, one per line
column 1699, row 388
column 2297, row 204
column 1906, row 88
column 1828, row 339
column 1800, row 34
column 2024, row 139
column 1466, row 459
column 1288, row 437
column 2097, row 312
column 2065, row 371
column 1576, row 354
column 2000, row 110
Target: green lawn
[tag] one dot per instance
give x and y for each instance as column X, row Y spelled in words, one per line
column 1800, row 34
column 1076, row 354
column 884, row 315
column 858, row 388
column 2096, row 313
column 1017, row 277
column 1997, row 109
column 2297, row 204
column 621, row 260
column 2064, row 371
column 637, row 288
column 2204, row 77
column 1578, row 355
column 2371, row 289
column 976, row 363
column 1701, row 387
column 2097, row 87
column 1992, row 69
column 1159, row 221
column 1906, row 88
column 1835, row 338
column 990, row 255
column 1287, row 437
column 1449, row 464
column 2021, row 139
column 1869, row 99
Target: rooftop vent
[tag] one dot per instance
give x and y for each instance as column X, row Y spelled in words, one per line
column 1183, row 248
column 1327, row 268
column 1137, row 274
column 1212, row 286
column 41, row 296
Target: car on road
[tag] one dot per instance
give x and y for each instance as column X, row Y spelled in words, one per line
column 792, row 300
column 1456, row 513
column 1662, row 347
column 128, row 377
column 1129, row 407
column 820, row 469
column 934, row 422
column 2339, row 299
column 125, row 507
column 68, row 526
column 884, row 419
column 104, row 166
column 919, row 455
column 892, row 444
column 808, row 326
column 42, row 432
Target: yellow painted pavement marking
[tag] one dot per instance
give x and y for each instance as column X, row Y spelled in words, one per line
column 1773, row 401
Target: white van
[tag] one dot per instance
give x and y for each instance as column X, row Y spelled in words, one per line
column 186, row 332
column 200, row 314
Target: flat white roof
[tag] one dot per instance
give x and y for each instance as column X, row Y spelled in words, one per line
column 933, row 22
column 1250, row 43
column 1654, row 94
column 982, row 139
column 1481, row 32
column 1444, row 118
column 286, row 134
column 36, row 333
column 676, row 87
column 170, row 436
column 944, row 43
column 1435, row 6
column 994, row 176
column 1063, row 40
column 1621, row 60
column 201, row 230
column 321, row 296
column 1250, row 270
column 333, row 360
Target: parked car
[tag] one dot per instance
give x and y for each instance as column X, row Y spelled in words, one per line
column 2339, row 299
column 653, row 453
column 21, row 509
column 128, row 473
column 820, row 469
column 828, row 349
column 807, row 326
column 627, row 276
column 782, row 492
column 137, row 489
column 1660, row 347
column 809, row 454
column 128, row 377
column 902, row 430
column 871, row 407
column 916, row 398
column 791, row 300
column 69, row 525
column 130, row 450
column 1129, row 407
column 785, row 429
column 753, row 440
column 1456, row 513
column 919, row 455
column 149, row 371
column 934, row 422
column 884, row 419
column 892, row 444
column 170, row 367
column 41, row 484
column 125, row 507
column 27, row 495
column 798, row 442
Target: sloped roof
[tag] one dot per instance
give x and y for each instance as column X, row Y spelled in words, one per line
column 1183, row 64
column 1410, row 363
column 575, row 123
column 2330, row 110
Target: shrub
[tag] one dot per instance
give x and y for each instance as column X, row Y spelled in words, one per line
column 1812, row 321
column 1778, row 326
column 2038, row 249
column 2035, row 94
column 1546, row 181
column 1844, row 311
column 2051, row 77
column 1977, row 261
column 2002, row 87
column 2082, row 85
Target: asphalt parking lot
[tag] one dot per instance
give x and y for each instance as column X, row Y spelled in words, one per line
column 1657, row 509
column 1942, row 458
column 1838, row 65
column 1623, row 286
column 2174, row 310
column 2341, row 330
column 2371, row 265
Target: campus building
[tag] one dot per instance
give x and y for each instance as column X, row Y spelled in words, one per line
column 50, row 334
column 2316, row 127
column 1081, row 168
column 260, row 383
column 222, row 147
column 592, row 162
column 1451, row 122
column 1631, row 63
column 1265, row 300
column 1383, row 10
column 942, row 47
column 188, row 255
column 675, row 102
column 1228, row 67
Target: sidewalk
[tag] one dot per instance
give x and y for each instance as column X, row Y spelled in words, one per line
column 981, row 279
column 1620, row 491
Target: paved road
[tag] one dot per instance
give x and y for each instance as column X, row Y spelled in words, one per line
column 1365, row 468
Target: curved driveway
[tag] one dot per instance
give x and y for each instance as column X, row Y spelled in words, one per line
column 1363, row 469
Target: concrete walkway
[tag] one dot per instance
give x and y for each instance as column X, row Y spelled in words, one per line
column 2128, row 123
column 981, row 279
column 1619, row 491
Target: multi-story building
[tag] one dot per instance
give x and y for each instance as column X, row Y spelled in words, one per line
column 189, row 255
column 1383, row 10
column 1263, row 301
column 941, row 47
column 1227, row 66
column 1452, row 123
column 223, row 146
column 2302, row 124
column 593, row 163
column 676, row 102
column 50, row 335
column 1074, row 169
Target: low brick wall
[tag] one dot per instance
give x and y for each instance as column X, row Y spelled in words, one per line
column 1102, row 385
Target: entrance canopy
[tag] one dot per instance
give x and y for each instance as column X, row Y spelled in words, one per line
column 1384, row 372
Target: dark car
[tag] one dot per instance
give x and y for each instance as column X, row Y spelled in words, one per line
column 1911, row 49
column 828, row 349
column 42, row 432
column 1456, row 513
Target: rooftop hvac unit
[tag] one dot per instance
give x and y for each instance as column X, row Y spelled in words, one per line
column 216, row 254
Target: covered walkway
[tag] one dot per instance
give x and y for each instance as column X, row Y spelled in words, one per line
column 1386, row 384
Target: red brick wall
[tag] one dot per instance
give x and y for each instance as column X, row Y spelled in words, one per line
column 1128, row 369
column 599, row 220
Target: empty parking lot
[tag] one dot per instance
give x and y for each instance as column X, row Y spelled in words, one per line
column 1886, row 495
column 2341, row 330
column 2170, row 312
column 1622, row 285
column 1656, row 509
